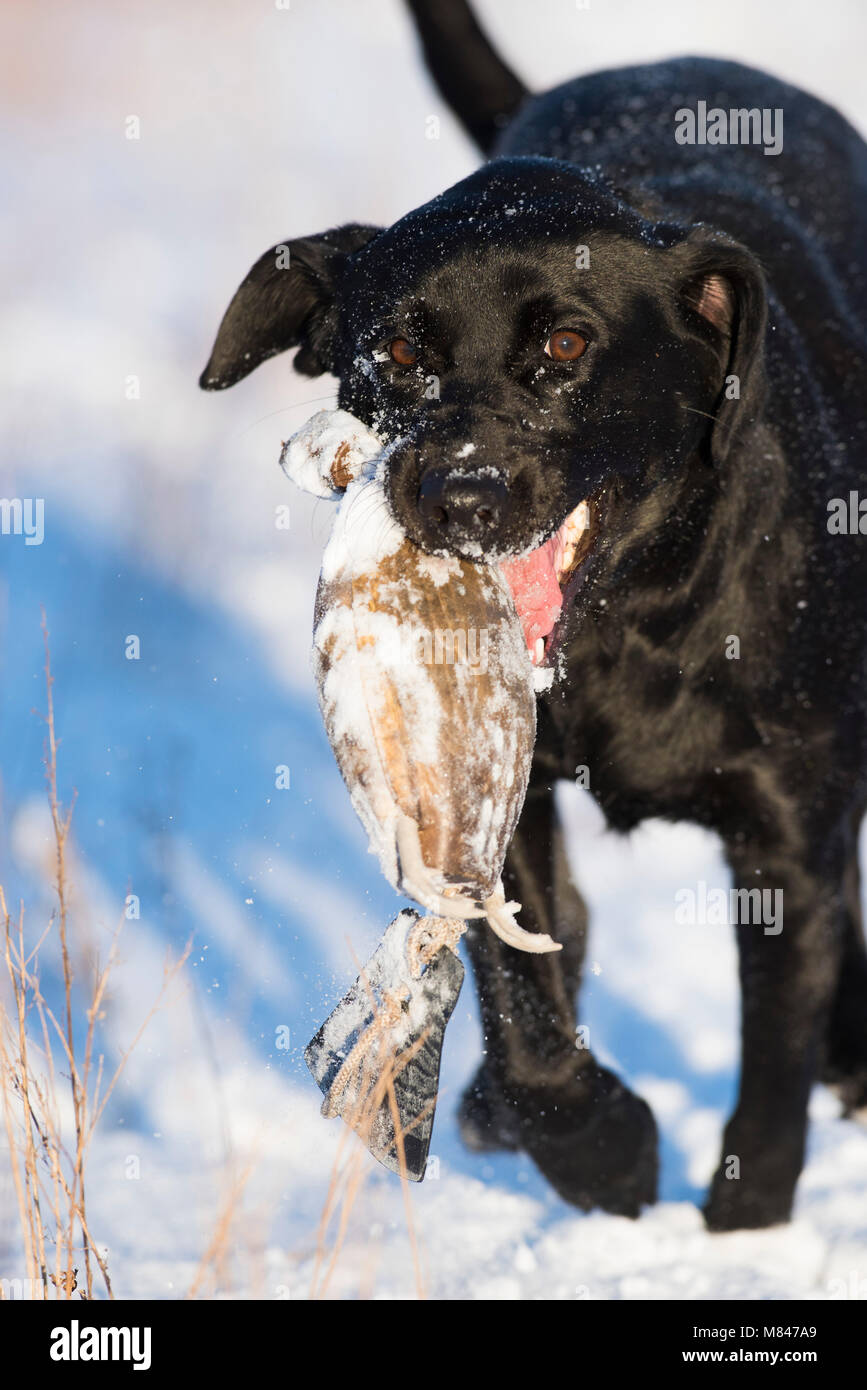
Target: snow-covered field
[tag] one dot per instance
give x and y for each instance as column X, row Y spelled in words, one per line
column 257, row 123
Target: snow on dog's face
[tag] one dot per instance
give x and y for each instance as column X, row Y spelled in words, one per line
column 525, row 343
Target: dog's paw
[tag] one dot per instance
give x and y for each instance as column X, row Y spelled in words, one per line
column 756, row 1190
column 732, row 1206
column 597, row 1154
column 594, row 1141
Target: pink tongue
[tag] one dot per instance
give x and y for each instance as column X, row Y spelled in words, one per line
column 537, row 596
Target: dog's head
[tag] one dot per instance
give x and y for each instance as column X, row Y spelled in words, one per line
column 521, row 340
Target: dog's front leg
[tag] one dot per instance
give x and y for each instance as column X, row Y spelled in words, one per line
column 789, row 966
column 540, row 1089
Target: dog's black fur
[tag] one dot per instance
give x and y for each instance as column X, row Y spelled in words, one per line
column 704, row 263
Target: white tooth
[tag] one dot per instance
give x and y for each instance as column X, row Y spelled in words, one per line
column 571, row 531
column 539, row 652
column 577, row 521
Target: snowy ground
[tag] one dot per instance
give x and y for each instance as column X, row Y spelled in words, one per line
column 257, row 124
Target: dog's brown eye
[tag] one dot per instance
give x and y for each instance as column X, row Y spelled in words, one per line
column 403, row 352
column 566, row 345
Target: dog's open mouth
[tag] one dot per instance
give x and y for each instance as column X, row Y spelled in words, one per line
column 334, row 447
column 542, row 582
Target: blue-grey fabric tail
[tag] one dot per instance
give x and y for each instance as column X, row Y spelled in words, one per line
column 376, row 1058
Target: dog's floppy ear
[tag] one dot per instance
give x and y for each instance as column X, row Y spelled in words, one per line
column 286, row 300
column 726, row 287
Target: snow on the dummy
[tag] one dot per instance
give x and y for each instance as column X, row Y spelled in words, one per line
column 328, row 452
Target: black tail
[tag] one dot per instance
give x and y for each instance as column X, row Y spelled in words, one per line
column 480, row 89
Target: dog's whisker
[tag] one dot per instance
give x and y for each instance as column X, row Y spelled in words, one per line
column 284, row 410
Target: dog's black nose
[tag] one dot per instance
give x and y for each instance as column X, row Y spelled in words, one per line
column 461, row 506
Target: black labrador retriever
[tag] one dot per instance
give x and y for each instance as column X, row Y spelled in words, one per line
column 651, row 300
